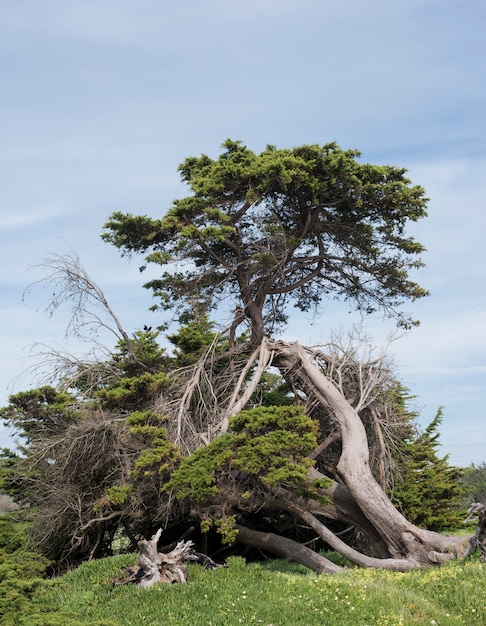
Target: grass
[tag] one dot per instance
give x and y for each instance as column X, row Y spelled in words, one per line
column 272, row 594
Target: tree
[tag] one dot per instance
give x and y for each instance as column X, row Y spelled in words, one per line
column 298, row 225
column 430, row 486
column 260, row 232
column 38, row 411
column 474, row 481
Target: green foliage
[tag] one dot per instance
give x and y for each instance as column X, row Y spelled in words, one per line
column 295, row 225
column 193, row 336
column 144, row 354
column 273, row 390
column 267, row 449
column 9, row 461
column 430, row 491
column 38, row 412
column 137, row 374
column 225, row 526
column 273, row 444
column 151, row 457
column 160, row 454
column 197, row 475
column 13, row 531
column 114, row 497
column 474, row 481
column 21, row 571
column 132, row 392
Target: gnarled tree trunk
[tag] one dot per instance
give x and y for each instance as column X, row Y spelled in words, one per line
column 401, row 544
column 478, row 540
column 286, row 548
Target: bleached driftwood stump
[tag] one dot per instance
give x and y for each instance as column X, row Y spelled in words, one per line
column 157, row 567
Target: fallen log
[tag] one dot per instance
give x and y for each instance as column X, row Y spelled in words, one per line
column 155, row 567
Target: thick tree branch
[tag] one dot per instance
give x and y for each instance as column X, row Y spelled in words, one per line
column 286, row 548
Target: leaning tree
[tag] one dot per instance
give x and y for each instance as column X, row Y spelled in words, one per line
column 257, row 233
column 257, row 437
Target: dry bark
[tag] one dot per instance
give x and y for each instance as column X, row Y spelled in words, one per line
column 157, row 567
column 402, row 544
column 286, row 548
column 478, row 540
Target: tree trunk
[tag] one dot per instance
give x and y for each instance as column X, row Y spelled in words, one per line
column 385, row 526
column 478, row 540
column 286, row 548
column 345, row 509
column 253, row 312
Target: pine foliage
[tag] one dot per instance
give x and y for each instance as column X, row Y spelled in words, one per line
column 430, row 488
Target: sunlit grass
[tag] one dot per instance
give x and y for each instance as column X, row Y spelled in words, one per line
column 273, row 594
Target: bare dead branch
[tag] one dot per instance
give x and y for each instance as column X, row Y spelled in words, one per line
column 236, row 404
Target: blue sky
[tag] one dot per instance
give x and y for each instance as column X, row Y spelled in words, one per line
column 101, row 100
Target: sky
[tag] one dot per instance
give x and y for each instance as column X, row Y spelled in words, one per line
column 101, row 100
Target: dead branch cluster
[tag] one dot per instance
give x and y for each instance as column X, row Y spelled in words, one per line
column 203, row 397
column 66, row 475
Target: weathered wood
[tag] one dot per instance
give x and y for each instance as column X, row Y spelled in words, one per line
column 478, row 540
column 398, row 539
column 157, row 567
column 288, row 549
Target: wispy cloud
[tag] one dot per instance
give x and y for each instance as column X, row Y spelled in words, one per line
column 14, row 221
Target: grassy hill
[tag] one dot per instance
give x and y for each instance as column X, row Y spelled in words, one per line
column 272, row 594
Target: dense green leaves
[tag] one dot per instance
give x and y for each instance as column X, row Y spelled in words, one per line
column 192, row 337
column 158, row 454
column 39, row 411
column 267, row 448
column 132, row 392
column 20, row 569
column 431, row 488
column 303, row 224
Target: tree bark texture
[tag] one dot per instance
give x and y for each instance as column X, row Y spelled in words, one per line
column 400, row 544
column 156, row 567
column 286, row 548
column 478, row 540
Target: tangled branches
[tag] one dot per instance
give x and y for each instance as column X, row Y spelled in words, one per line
column 203, row 396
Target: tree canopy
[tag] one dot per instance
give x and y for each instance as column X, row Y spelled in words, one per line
column 300, row 225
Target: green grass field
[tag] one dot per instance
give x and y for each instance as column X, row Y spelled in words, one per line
column 272, row 594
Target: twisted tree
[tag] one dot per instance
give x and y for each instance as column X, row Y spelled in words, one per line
column 260, row 231
column 257, row 232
